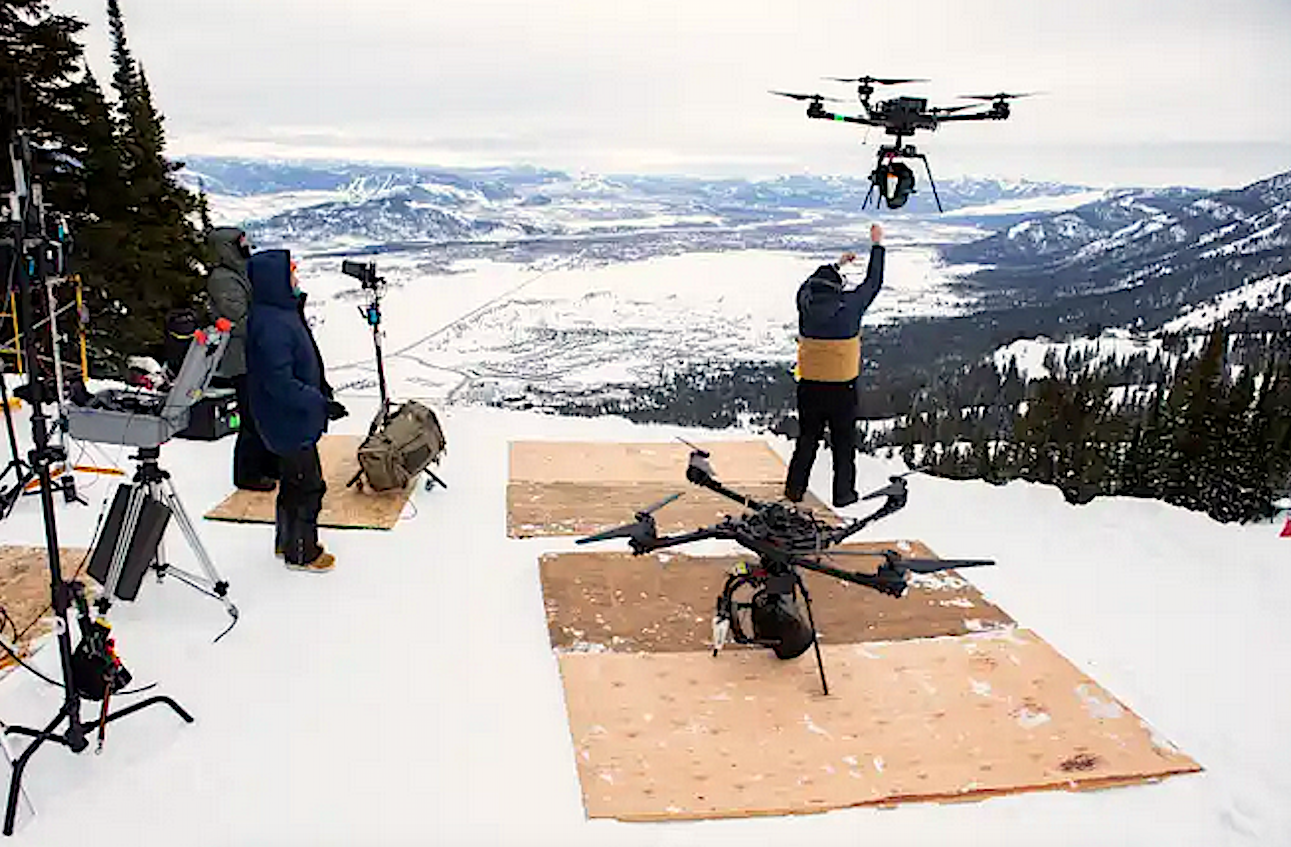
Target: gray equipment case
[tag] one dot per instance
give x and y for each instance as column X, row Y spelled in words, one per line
column 141, row 418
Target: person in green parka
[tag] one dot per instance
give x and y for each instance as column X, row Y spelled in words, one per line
column 255, row 468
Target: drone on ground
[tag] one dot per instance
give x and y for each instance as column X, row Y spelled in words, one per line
column 786, row 539
column 901, row 117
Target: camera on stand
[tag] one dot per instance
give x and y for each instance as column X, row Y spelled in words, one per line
column 403, row 440
column 366, row 274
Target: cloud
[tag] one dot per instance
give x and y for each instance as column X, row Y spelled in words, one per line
column 637, row 84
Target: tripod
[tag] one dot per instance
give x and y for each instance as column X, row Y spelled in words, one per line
column 152, row 484
column 25, row 249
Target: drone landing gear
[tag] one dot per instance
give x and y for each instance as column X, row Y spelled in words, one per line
column 774, row 619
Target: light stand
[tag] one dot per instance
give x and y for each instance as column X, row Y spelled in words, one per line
column 22, row 471
column 366, row 274
column 24, row 206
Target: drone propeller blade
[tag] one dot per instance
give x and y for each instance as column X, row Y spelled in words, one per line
column 654, row 507
column 630, row 530
column 1003, row 95
column 937, row 565
column 807, row 96
column 701, row 451
column 896, row 487
column 872, row 80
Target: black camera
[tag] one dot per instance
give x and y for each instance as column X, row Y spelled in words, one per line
column 366, row 274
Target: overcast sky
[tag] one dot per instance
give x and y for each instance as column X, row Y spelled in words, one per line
column 1138, row 92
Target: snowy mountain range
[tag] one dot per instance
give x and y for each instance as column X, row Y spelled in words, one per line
column 1184, row 237
column 383, row 208
column 535, row 287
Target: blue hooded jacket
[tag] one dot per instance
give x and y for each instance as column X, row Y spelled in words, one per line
column 284, row 373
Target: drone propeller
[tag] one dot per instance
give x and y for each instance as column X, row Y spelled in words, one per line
column 644, row 525
column 913, row 565
column 628, row 530
column 1001, row 96
column 870, row 80
column 651, row 509
column 896, row 487
column 817, row 97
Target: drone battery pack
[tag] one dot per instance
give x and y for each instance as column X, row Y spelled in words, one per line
column 213, row 417
column 142, row 550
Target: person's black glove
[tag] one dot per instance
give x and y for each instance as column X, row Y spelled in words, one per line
column 335, row 411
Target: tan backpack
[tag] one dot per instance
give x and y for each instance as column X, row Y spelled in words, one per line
column 401, row 449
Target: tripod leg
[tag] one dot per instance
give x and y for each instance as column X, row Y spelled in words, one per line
column 172, row 500
column 215, row 585
column 11, row 758
column 134, row 707
column 15, row 779
column 815, row 636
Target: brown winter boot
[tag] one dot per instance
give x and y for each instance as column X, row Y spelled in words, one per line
column 323, row 562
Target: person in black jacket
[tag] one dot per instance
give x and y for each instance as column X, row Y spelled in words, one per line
column 291, row 402
column 829, row 363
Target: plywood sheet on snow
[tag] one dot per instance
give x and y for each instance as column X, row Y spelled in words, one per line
column 554, row 508
column 609, row 462
column 663, row 736
column 664, row 602
column 24, row 591
column 576, row 488
column 343, row 508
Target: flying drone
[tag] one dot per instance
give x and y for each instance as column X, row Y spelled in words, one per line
column 901, row 117
column 786, row 539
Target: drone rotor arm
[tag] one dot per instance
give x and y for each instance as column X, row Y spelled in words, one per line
column 992, row 115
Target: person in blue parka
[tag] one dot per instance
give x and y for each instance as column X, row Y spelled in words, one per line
column 291, row 402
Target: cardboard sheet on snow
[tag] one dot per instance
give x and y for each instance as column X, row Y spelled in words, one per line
column 664, row 603
column 685, row 735
column 343, row 508
column 24, row 589
column 574, row 488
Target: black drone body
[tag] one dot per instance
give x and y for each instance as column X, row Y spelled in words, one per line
column 786, row 539
column 902, row 117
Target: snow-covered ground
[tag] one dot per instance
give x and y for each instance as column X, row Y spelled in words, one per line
column 410, row 697
column 1113, row 345
column 1262, row 293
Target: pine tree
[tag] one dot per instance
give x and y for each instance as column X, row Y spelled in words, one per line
column 163, row 250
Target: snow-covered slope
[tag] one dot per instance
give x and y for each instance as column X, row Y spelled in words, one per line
column 410, row 697
column 1158, row 230
column 1267, row 296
